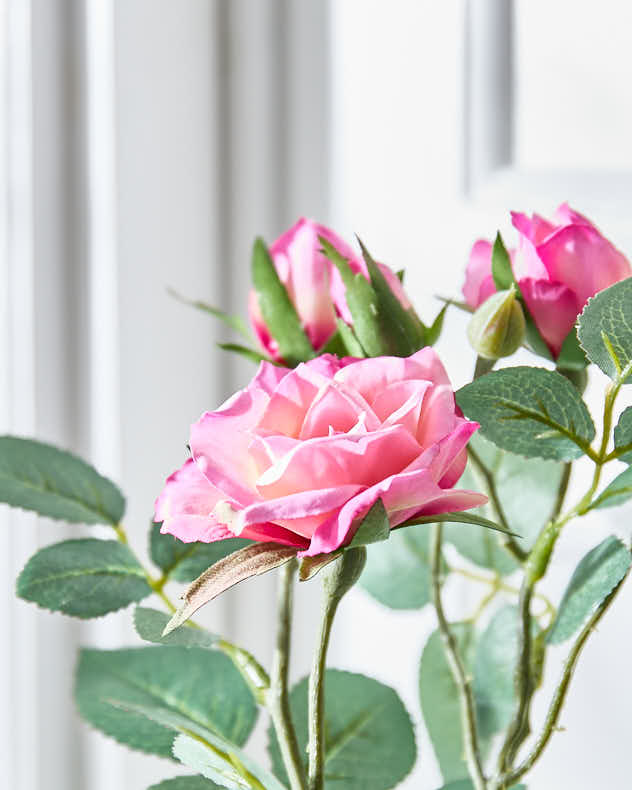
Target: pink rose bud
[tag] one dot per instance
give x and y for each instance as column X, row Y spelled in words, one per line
column 558, row 265
column 299, row 456
column 313, row 283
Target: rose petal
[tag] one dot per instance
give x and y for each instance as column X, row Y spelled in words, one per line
column 334, row 408
column 344, row 459
column 554, row 308
column 580, row 257
column 403, row 495
column 479, row 283
column 220, row 440
column 299, row 513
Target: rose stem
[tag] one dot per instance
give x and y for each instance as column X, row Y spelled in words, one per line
column 466, row 697
column 338, row 578
column 277, row 698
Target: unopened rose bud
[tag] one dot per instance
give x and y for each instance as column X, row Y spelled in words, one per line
column 497, row 328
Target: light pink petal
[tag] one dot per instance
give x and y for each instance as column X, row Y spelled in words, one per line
column 371, row 376
column 403, row 496
column 305, row 271
column 220, row 440
column 526, row 262
column 438, row 415
column 299, row 513
column 344, row 459
column 336, row 409
column 292, row 398
column 554, row 308
column 581, row 258
column 186, row 505
column 267, row 449
column 395, row 284
column 268, row 377
column 479, row 283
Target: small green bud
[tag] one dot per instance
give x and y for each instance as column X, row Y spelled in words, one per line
column 341, row 575
column 497, row 328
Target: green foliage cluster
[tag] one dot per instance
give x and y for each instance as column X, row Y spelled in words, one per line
column 193, row 697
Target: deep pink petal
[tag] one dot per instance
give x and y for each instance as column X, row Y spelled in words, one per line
column 535, row 229
column 403, row 496
column 299, row 513
column 581, row 258
column 554, row 308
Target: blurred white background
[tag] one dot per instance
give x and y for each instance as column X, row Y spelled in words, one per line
column 143, row 144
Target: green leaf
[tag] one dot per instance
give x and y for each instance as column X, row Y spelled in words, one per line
column 250, row 561
column 440, row 700
column 605, row 330
column 235, row 322
column 456, row 518
column 352, row 345
column 83, row 578
column 374, row 528
column 369, row 739
column 433, row 332
column 219, row 756
column 279, row 314
column 494, row 670
column 184, row 562
column 335, row 344
column 150, row 623
column 402, row 326
column 618, row 492
column 571, row 356
column 534, row 339
column 501, row 265
column 209, row 763
column 529, row 411
column 594, row 578
column 623, row 435
column 56, row 484
column 397, row 573
column 185, row 783
column 251, row 354
column 201, row 686
column 363, row 304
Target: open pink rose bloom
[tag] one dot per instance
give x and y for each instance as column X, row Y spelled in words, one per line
column 558, row 265
column 313, row 283
column 299, row 456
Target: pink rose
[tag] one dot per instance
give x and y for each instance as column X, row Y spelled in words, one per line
column 299, row 456
column 313, row 283
column 558, row 265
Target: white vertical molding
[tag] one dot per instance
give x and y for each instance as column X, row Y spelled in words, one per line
column 105, row 759
column 488, row 89
column 20, row 689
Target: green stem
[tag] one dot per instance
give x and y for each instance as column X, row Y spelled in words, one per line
column 508, row 541
column 466, row 696
column 338, row 578
column 277, row 698
column 559, row 696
